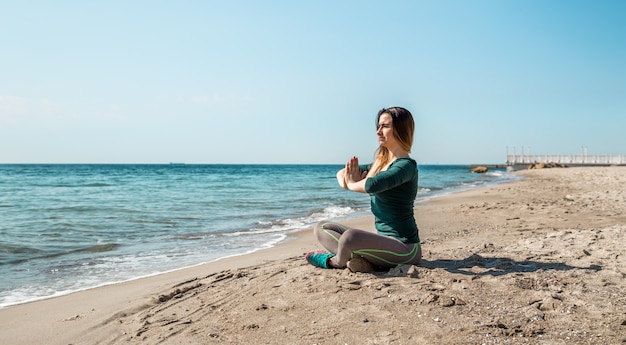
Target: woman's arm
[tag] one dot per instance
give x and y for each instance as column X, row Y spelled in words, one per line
column 358, row 186
column 399, row 172
column 341, row 178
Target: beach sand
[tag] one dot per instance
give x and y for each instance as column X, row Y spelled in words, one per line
column 536, row 261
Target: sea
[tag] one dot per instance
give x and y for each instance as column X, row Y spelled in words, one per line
column 67, row 227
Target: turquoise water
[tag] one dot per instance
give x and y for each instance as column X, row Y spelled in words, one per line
column 70, row 227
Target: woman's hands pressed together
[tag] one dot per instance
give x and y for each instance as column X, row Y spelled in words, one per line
column 354, row 179
column 352, row 171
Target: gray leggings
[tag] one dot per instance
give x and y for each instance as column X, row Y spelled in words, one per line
column 382, row 251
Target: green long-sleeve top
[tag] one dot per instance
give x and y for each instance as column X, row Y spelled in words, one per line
column 392, row 194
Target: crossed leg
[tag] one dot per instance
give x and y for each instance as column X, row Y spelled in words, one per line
column 349, row 243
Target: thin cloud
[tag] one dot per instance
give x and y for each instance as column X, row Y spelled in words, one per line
column 217, row 98
column 12, row 104
column 200, row 100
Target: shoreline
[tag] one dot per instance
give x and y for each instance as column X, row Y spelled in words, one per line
column 103, row 285
column 295, row 235
column 460, row 232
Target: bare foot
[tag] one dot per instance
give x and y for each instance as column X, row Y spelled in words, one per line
column 358, row 264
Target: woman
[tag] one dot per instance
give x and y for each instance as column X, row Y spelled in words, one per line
column 391, row 182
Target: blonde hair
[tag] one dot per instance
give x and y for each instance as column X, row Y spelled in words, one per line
column 403, row 128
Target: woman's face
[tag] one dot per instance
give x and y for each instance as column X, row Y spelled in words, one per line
column 385, row 131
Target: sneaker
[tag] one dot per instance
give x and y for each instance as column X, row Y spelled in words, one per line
column 319, row 258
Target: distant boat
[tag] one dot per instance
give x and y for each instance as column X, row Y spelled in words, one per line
column 177, row 164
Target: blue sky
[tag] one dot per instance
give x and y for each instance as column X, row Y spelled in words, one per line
column 301, row 82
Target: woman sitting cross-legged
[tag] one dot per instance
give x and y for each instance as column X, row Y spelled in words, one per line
column 391, row 182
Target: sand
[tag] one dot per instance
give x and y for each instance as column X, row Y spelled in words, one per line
column 536, row 261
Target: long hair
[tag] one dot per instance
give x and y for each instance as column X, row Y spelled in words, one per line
column 403, row 128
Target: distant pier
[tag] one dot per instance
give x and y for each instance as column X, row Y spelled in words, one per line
column 518, row 162
column 522, row 162
column 567, row 159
